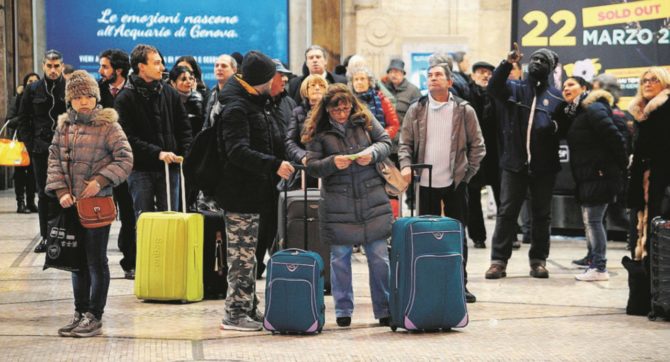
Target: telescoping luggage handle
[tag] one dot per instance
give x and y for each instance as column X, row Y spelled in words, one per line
column 182, row 183
column 416, row 177
column 303, row 184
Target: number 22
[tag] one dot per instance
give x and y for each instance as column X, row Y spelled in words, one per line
column 560, row 38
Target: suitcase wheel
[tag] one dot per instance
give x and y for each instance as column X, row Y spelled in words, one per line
column 394, row 328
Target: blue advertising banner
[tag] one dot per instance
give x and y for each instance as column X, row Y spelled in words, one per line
column 418, row 70
column 203, row 29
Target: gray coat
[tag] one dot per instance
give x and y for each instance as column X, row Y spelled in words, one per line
column 354, row 208
column 467, row 142
column 405, row 94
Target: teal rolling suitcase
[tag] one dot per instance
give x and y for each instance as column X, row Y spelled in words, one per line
column 427, row 285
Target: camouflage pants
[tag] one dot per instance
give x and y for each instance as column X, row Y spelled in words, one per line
column 242, row 234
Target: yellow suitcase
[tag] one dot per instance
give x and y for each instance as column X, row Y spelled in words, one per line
column 169, row 255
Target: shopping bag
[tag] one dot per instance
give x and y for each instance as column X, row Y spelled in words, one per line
column 65, row 250
column 13, row 152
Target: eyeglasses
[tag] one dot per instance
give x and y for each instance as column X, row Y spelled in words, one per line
column 652, row 80
column 340, row 110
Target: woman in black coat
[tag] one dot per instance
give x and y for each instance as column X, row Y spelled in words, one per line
column 311, row 92
column 598, row 161
column 650, row 169
column 344, row 141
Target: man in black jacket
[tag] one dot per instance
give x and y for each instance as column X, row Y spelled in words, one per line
column 255, row 151
column 489, row 173
column 157, row 126
column 316, row 59
column 41, row 104
column 529, row 158
column 114, row 67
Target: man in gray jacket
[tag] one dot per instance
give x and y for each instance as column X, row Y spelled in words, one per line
column 442, row 130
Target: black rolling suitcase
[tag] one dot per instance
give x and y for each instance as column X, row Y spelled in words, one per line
column 298, row 209
column 214, row 267
column 659, row 262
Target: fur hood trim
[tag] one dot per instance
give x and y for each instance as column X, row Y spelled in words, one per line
column 596, row 95
column 640, row 107
column 101, row 117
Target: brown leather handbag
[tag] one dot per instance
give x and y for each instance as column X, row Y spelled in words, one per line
column 394, row 183
column 94, row 212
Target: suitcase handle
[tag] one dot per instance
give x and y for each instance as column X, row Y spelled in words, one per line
column 182, row 183
column 303, row 174
column 416, row 178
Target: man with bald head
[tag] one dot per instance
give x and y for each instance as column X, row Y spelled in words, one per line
column 224, row 68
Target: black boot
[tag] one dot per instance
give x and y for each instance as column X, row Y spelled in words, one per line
column 30, row 205
column 21, row 206
column 41, row 246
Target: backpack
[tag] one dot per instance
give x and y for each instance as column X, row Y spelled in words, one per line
column 205, row 160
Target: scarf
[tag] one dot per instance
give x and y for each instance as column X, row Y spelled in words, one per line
column 571, row 109
column 374, row 103
column 82, row 118
column 146, row 90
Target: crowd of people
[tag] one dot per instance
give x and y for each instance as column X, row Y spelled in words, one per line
column 493, row 127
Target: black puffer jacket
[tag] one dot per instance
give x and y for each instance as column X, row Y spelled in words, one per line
column 281, row 108
column 651, row 151
column 295, row 150
column 41, row 104
column 193, row 104
column 254, row 149
column 154, row 119
column 597, row 150
column 354, row 208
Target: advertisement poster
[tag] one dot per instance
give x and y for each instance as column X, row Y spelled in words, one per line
column 597, row 36
column 418, row 70
column 203, row 29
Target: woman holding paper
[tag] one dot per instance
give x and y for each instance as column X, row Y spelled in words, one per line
column 344, row 141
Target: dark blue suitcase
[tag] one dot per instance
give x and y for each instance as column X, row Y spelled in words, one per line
column 294, row 292
column 427, row 285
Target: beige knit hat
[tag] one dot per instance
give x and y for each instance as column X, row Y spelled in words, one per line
column 81, row 84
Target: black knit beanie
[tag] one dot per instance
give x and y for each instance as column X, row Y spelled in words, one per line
column 257, row 68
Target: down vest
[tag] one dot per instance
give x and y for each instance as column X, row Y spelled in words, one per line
column 597, row 149
column 354, row 208
column 100, row 151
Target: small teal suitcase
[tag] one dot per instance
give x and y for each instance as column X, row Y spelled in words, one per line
column 294, row 292
column 428, row 291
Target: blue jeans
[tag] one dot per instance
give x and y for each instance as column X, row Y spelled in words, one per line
column 147, row 189
column 340, row 278
column 596, row 237
column 91, row 283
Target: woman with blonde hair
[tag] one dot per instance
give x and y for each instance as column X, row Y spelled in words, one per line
column 344, row 141
column 650, row 170
column 312, row 90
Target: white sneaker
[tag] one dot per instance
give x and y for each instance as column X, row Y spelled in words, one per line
column 593, row 275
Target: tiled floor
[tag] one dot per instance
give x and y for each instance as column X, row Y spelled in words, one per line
column 516, row 318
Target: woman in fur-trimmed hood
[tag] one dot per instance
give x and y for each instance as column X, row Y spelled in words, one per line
column 89, row 155
column 650, row 169
column 598, row 161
